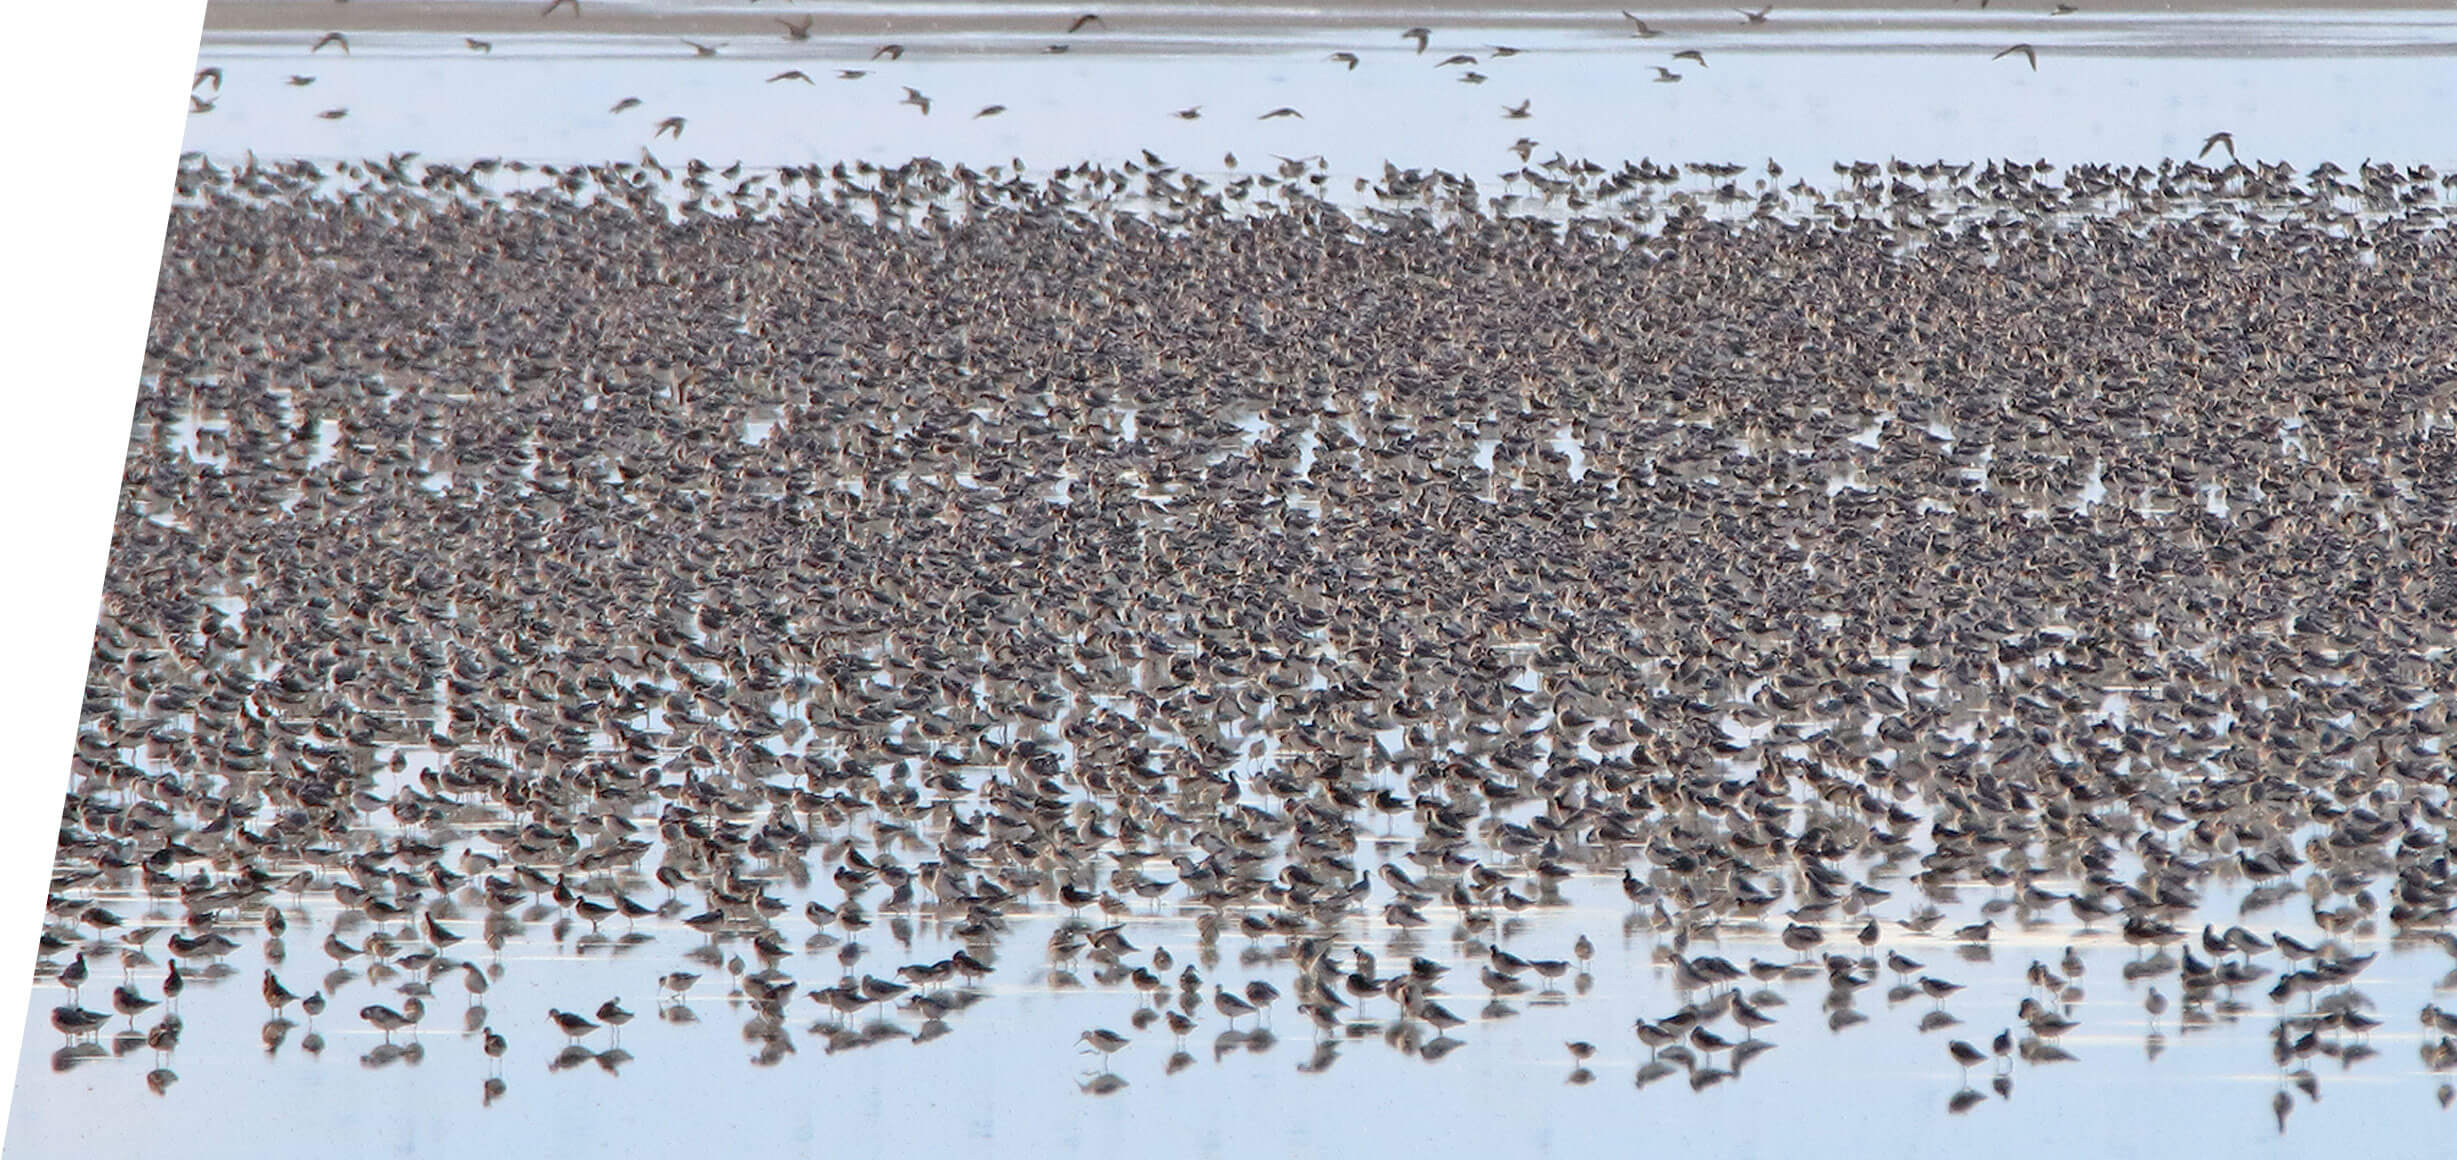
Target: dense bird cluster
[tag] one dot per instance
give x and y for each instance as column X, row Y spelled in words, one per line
column 941, row 548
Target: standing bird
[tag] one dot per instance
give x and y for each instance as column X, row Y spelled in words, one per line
column 276, row 996
column 74, row 975
column 1103, row 1040
column 496, row 1046
column 573, row 1025
column 1966, row 1055
column 611, row 1013
column 1229, row 1005
column 388, row 1020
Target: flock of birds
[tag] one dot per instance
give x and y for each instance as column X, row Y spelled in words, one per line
column 1129, row 555
column 799, row 31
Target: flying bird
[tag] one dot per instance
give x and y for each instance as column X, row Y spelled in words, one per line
column 213, row 74
column 197, row 104
column 1665, row 76
column 1189, row 113
column 1282, row 111
column 2217, row 139
column 1757, row 17
column 851, row 74
column 672, row 125
column 334, row 114
column 1461, row 58
column 1080, row 21
column 477, row 45
column 795, row 31
column 1517, row 112
column 300, row 82
column 913, row 97
column 1691, row 54
column 698, row 49
column 554, row 4
column 2027, row 52
column 333, row 38
column 1472, row 77
column 1643, row 32
column 1419, row 35
column 625, row 103
column 1523, row 146
column 989, row 111
column 792, row 74
column 1346, row 58
column 890, row 51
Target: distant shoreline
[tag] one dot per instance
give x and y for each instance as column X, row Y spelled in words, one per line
column 484, row 17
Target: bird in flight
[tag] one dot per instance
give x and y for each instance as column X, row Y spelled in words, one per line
column 554, row 4
column 197, row 104
column 913, row 97
column 333, row 38
column 1461, row 58
column 1643, row 32
column 1346, row 58
column 698, row 49
column 477, row 45
column 2217, row 139
column 989, row 111
column 890, row 51
column 300, row 82
column 2063, row 10
column 1472, row 77
column 795, row 31
column 792, row 74
column 1757, row 17
column 1282, row 111
column 1080, row 21
column 672, row 125
column 1419, row 35
column 1665, row 76
column 212, row 73
column 1691, row 54
column 625, row 103
column 2028, row 53
column 1517, row 112
column 1189, row 113
column 1523, row 146
column 851, row 74
column 334, row 114
column 1500, row 50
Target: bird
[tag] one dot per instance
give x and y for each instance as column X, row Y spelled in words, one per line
column 989, row 111
column 1965, row 1054
column 494, row 1044
column 1692, row 55
column 1757, row 17
column 2215, row 140
column 625, row 103
column 792, row 74
column 702, row 50
column 611, row 1013
column 300, row 82
column 2028, row 53
column 1421, row 36
column 1102, row 1040
column 1346, row 58
column 913, row 97
column 126, row 1001
column 332, row 38
column 477, row 45
column 1643, row 31
column 334, row 114
column 554, row 4
column 388, row 1020
column 1230, row 1005
column 1189, row 113
column 890, row 51
column 1282, row 111
column 197, row 104
column 209, row 73
column 573, row 1026
column 1517, row 112
column 276, row 996
column 1665, row 76
column 2063, row 10
column 851, row 74
column 1455, row 58
column 672, row 125
column 795, row 31
column 1081, row 21
column 1524, row 146
column 73, row 975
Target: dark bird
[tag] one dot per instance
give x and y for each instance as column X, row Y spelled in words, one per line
column 1282, row 111
column 795, row 31
column 1346, row 58
column 989, row 111
column 1189, row 113
column 2215, row 140
column 890, row 51
column 554, row 4
column 625, row 103
column 1081, row 21
column 1420, row 35
column 1665, row 76
column 1691, row 54
column 792, row 74
column 477, row 45
column 913, row 97
column 333, row 38
column 672, row 125
column 1757, row 17
column 2028, row 53
column 334, row 114
column 1517, row 112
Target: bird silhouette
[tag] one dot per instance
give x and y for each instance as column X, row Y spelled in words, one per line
column 2028, row 53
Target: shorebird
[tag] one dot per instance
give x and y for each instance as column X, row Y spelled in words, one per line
column 495, row 1045
column 989, row 111
column 793, row 30
column 624, row 104
column 1454, row 58
column 477, row 45
column 703, row 50
column 890, row 51
column 851, row 74
column 73, row 975
column 1087, row 18
column 1517, row 112
column 2028, row 53
column 1189, row 113
column 1757, row 17
column 1230, row 1005
column 913, row 97
column 1691, row 55
column 2215, row 140
column 1966, row 1055
column 1346, row 58
column 334, row 114
column 1421, row 36
column 573, row 1026
column 611, row 1013
column 388, row 1020
column 276, row 996
column 792, row 74
column 554, row 4
column 672, row 125
column 1102, row 1040
column 1282, row 111
column 209, row 73
column 1643, row 32
column 1524, row 146
column 1665, row 76
column 332, row 38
